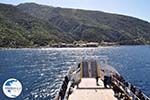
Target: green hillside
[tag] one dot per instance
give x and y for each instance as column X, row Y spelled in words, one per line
column 29, row 25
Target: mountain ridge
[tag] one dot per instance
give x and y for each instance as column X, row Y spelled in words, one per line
column 46, row 25
column 93, row 10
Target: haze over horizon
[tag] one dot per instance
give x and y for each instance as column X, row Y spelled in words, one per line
column 134, row 8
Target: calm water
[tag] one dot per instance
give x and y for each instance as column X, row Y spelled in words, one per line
column 41, row 70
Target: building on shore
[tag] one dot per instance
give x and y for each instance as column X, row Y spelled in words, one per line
column 89, row 44
column 108, row 43
column 92, row 44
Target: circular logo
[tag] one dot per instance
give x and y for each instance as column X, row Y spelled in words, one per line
column 12, row 88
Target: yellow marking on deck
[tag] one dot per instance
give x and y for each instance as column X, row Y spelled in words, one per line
column 80, row 70
column 98, row 70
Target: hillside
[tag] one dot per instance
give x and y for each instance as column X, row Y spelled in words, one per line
column 18, row 29
column 30, row 24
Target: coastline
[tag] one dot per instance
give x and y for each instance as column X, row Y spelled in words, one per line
column 43, row 47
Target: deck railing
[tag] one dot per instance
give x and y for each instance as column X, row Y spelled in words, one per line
column 132, row 95
column 63, row 89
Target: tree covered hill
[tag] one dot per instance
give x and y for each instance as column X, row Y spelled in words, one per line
column 30, row 24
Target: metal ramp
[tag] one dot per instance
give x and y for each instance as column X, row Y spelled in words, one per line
column 84, row 70
column 94, row 69
column 89, row 69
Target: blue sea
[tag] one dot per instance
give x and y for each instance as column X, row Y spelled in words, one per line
column 41, row 70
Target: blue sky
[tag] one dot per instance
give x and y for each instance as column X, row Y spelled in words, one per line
column 136, row 8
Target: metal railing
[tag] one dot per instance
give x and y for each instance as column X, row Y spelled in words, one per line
column 132, row 95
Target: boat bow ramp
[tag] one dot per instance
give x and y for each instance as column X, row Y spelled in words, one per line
column 88, row 88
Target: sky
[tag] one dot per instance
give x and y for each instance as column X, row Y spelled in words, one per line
column 136, row 8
